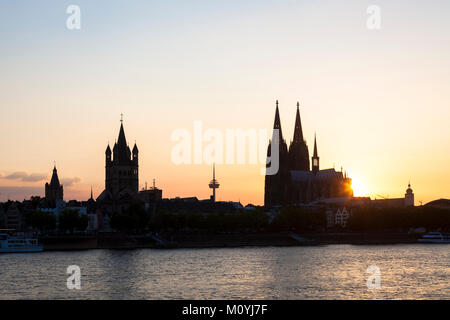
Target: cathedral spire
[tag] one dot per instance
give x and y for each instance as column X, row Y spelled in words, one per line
column 298, row 132
column 315, row 146
column 315, row 157
column 298, row 150
column 277, row 122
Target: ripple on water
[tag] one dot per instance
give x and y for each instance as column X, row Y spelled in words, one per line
column 326, row 272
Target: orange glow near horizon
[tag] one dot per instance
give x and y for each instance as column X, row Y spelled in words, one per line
column 359, row 188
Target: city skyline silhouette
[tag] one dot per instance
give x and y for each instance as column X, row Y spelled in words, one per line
column 377, row 100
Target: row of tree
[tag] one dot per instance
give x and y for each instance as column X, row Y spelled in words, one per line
column 69, row 221
column 136, row 220
column 376, row 219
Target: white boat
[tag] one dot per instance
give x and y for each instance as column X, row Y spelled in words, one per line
column 434, row 237
column 11, row 244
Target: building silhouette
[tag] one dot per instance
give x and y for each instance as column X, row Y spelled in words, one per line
column 54, row 190
column 409, row 196
column 296, row 182
column 121, row 174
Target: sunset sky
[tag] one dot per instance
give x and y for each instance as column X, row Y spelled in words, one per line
column 379, row 100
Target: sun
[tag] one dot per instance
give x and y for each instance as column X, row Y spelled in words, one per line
column 359, row 188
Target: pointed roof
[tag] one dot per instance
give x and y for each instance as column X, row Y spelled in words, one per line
column 135, row 148
column 315, row 146
column 298, row 132
column 55, row 180
column 108, row 149
column 121, row 149
column 122, row 141
column 277, row 122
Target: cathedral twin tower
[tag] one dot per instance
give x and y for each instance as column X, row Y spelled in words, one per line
column 297, row 156
column 296, row 180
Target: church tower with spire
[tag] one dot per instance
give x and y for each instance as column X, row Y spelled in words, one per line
column 276, row 183
column 315, row 158
column 298, row 149
column 121, row 166
column 54, row 190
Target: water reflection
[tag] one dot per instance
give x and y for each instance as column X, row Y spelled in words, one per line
column 329, row 272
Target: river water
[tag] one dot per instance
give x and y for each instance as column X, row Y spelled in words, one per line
column 412, row 271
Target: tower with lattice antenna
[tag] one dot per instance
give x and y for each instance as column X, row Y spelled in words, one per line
column 214, row 184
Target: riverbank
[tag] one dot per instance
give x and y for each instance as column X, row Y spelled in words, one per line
column 183, row 240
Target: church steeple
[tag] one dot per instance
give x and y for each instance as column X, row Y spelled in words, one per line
column 298, row 150
column 122, row 141
column 135, row 153
column 277, row 172
column 315, row 147
column 108, row 155
column 277, row 122
column 121, row 149
column 54, row 190
column 298, row 132
column 122, row 171
column 55, row 180
column 315, row 157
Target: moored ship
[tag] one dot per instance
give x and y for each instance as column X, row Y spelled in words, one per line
column 14, row 244
column 434, row 237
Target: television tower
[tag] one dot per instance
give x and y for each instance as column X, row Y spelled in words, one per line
column 214, row 184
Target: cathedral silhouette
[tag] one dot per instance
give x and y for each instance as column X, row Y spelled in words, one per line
column 296, row 182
